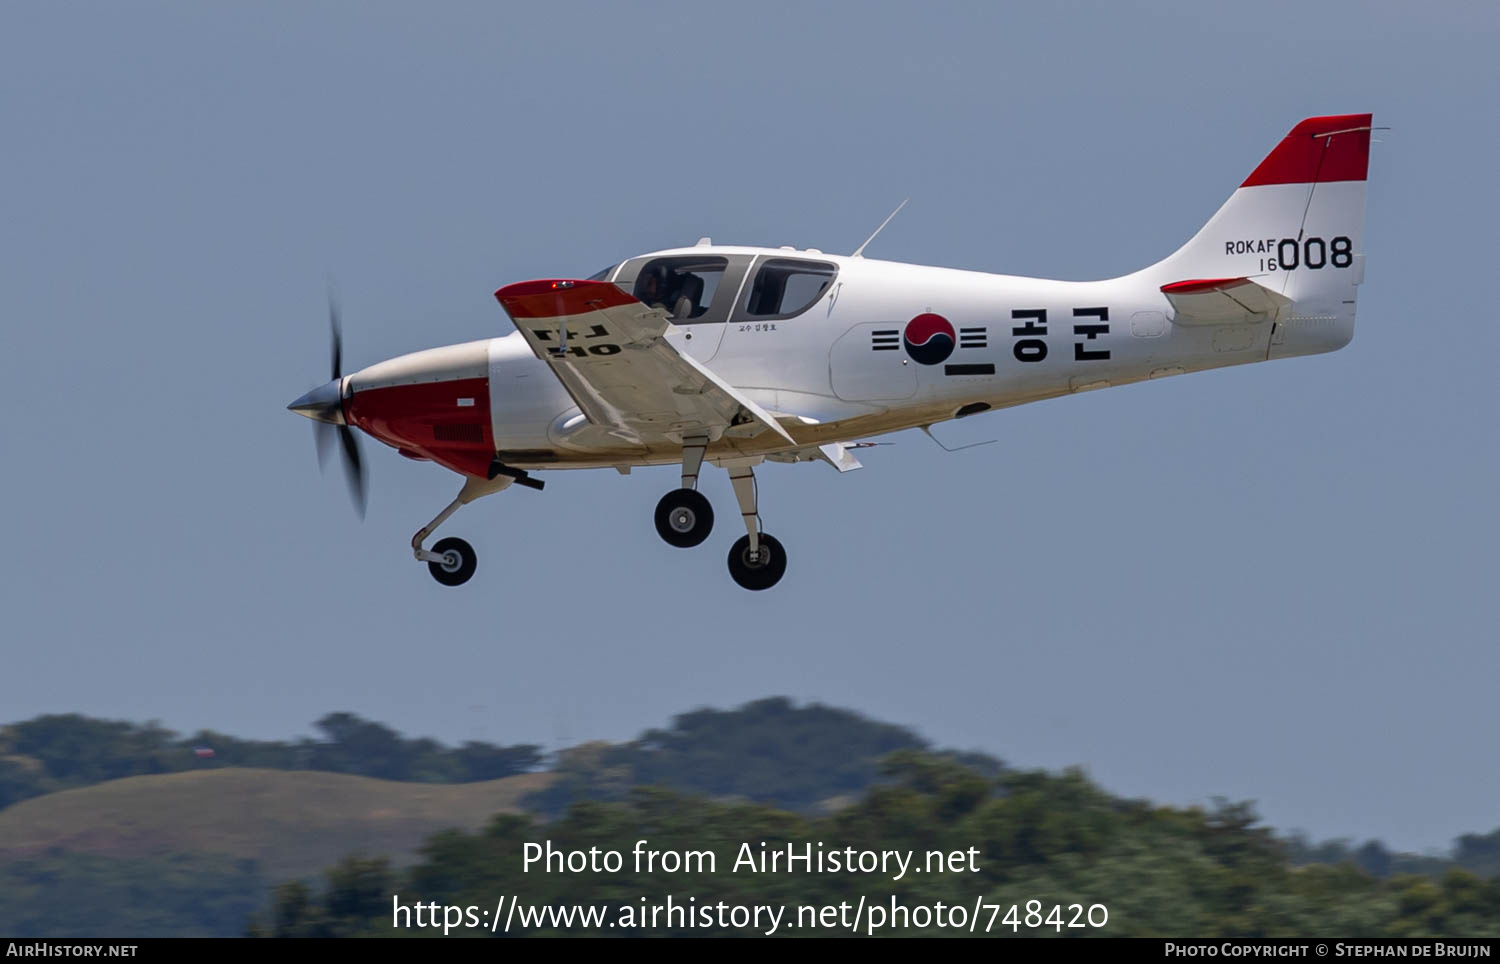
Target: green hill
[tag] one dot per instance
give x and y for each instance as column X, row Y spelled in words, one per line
column 292, row 823
column 63, row 751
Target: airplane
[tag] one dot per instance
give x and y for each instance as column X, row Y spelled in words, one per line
column 733, row 356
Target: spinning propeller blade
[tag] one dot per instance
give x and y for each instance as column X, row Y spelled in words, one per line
column 354, row 468
column 325, row 406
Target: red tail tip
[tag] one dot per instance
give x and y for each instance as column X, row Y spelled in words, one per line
column 1320, row 149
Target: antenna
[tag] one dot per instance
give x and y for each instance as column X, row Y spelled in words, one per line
column 959, row 448
column 859, row 252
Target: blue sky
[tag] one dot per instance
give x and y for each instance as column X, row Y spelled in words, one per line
column 1267, row 583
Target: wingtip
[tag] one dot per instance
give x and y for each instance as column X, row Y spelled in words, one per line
column 557, row 297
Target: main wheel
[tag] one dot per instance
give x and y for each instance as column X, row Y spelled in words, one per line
column 762, row 570
column 684, row 518
column 457, row 566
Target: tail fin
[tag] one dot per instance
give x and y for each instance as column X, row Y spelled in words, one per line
column 1295, row 226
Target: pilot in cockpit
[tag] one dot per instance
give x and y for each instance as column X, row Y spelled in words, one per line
column 652, row 287
column 689, row 293
column 661, row 288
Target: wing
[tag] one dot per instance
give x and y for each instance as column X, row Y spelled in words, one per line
column 609, row 352
column 1219, row 301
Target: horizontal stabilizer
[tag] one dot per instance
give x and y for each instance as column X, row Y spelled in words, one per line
column 1223, row 301
column 837, row 454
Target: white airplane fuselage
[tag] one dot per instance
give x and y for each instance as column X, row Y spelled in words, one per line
column 734, row 355
column 834, row 374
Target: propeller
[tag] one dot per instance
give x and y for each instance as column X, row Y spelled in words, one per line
column 354, row 463
column 325, row 406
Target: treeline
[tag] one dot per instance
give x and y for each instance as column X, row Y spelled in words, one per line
column 805, row 758
column 88, row 895
column 1479, row 853
column 59, row 752
column 1053, row 838
column 809, row 759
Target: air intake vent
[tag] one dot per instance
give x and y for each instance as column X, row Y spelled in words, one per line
column 458, row 432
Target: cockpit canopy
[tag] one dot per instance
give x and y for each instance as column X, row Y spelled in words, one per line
column 707, row 288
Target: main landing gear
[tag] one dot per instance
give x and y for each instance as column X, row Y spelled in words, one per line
column 756, row 560
column 684, row 519
column 760, row 568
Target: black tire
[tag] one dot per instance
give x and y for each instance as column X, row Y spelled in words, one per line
column 758, row 573
column 463, row 565
column 684, row 518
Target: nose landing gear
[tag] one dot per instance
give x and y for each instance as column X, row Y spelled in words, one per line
column 452, row 561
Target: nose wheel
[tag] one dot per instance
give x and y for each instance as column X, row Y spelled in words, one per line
column 684, row 518
column 456, row 562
